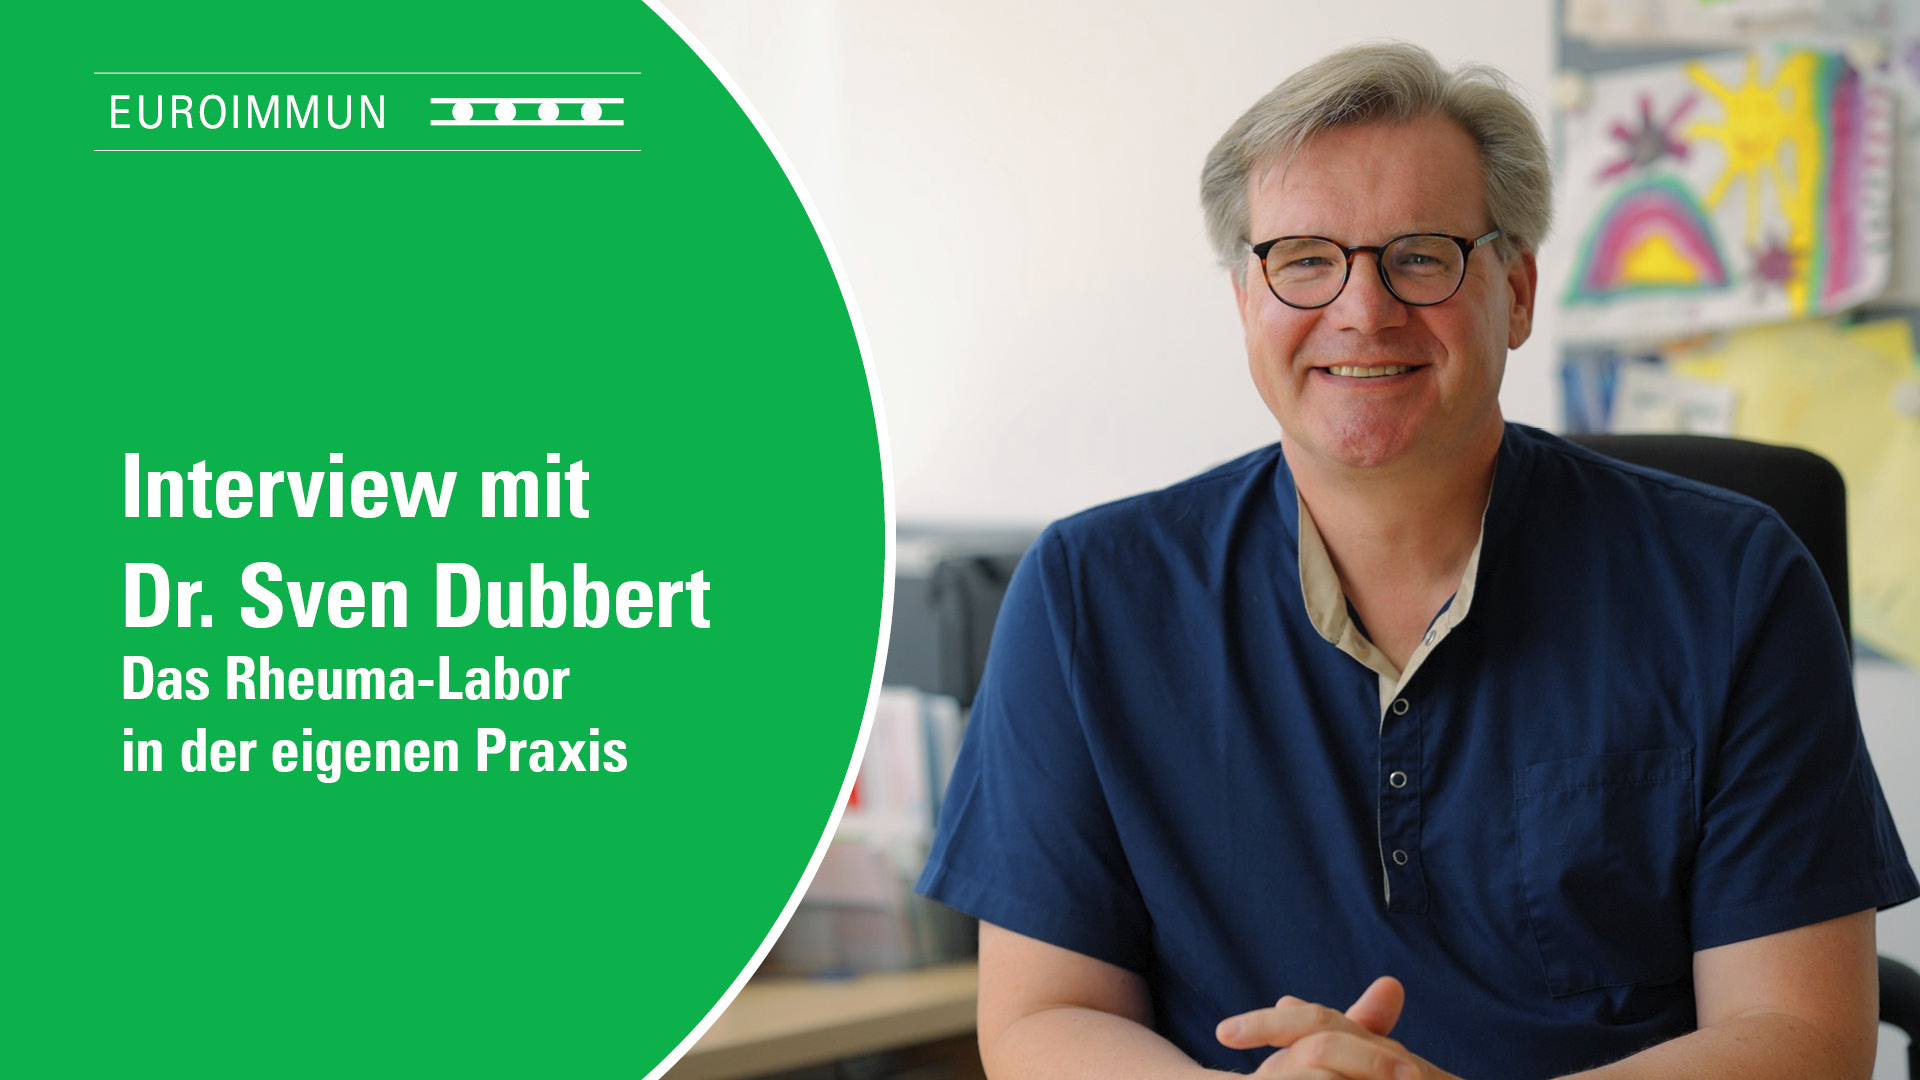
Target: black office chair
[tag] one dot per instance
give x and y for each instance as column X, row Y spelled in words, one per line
column 1808, row 493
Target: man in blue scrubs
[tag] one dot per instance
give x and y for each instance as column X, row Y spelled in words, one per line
column 1418, row 744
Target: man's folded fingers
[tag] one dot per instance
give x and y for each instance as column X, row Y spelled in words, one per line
column 1282, row 1025
column 1336, row 1054
column 1283, row 1072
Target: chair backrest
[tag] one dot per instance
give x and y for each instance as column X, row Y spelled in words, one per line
column 1801, row 486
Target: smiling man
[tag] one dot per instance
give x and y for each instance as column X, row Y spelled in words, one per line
column 1419, row 744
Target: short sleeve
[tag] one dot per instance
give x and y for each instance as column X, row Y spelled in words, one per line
column 1794, row 829
column 1026, row 840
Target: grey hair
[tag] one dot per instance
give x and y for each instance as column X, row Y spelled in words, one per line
column 1385, row 83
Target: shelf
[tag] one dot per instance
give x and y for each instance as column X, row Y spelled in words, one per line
column 783, row 1023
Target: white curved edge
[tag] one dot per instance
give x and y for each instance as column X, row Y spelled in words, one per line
column 886, row 488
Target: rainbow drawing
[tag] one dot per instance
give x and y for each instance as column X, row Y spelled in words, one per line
column 1652, row 237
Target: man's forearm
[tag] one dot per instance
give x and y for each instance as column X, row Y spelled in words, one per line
column 1070, row 1042
column 1756, row 1046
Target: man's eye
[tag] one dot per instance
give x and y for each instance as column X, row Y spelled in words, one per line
column 1420, row 264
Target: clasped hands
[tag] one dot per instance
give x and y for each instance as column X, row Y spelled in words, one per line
column 1318, row 1043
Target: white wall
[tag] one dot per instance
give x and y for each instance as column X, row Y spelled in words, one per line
column 1012, row 187
column 1890, row 713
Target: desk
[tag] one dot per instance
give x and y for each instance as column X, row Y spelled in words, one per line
column 782, row 1023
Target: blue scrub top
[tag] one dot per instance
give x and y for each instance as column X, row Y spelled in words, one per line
column 1639, row 741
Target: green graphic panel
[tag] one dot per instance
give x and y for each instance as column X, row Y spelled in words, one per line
column 640, row 317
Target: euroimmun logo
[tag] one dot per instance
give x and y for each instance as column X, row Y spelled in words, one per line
column 204, row 110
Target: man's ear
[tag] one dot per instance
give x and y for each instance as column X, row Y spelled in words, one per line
column 1523, row 280
column 1239, row 295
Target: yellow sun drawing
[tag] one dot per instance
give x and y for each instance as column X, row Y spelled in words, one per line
column 1770, row 130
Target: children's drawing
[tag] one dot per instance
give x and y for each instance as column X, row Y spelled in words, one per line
column 1760, row 193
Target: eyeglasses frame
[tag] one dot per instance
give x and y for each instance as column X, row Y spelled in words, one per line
column 1467, row 248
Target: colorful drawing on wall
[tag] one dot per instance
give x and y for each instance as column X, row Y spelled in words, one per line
column 1752, row 189
column 1651, row 238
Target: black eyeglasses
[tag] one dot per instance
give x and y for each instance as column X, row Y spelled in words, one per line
column 1420, row 269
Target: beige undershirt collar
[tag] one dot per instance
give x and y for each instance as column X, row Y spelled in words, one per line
column 1327, row 607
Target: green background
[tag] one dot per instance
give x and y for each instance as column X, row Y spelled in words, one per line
column 668, row 316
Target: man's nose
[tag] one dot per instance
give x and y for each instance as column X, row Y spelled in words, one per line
column 1366, row 304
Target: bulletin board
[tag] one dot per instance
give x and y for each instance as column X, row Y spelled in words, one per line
column 1737, row 246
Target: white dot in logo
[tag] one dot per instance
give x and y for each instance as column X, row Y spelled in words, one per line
column 463, row 111
column 590, row 111
column 549, row 111
column 503, row 111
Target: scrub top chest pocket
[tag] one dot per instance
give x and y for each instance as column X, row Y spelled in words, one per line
column 1606, row 847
